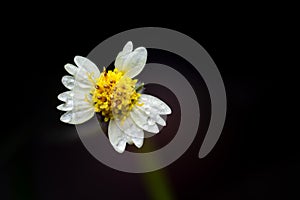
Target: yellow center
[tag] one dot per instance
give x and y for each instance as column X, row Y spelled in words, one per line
column 114, row 95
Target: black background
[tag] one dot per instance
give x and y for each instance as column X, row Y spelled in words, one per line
column 42, row 158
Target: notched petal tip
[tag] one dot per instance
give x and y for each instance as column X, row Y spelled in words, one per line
column 116, row 137
column 161, row 107
column 142, row 50
column 68, row 82
column 135, row 62
column 65, row 96
column 88, row 65
column 118, row 149
column 78, row 59
column 71, row 69
column 77, row 116
column 128, row 47
column 65, row 107
column 66, row 118
column 168, row 111
column 160, row 121
column 138, row 142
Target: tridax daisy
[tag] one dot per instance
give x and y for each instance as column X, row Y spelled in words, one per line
column 114, row 95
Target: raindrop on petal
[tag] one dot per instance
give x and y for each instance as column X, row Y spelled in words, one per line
column 67, row 117
column 65, row 96
column 69, row 82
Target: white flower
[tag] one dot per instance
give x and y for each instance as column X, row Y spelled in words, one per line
column 114, row 95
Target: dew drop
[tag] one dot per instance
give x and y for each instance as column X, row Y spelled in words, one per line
column 68, row 82
column 67, row 117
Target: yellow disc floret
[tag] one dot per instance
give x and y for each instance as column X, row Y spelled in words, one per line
column 114, row 95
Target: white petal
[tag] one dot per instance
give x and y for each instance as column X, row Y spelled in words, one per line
column 85, row 76
column 88, row 65
column 67, row 117
column 81, row 95
column 78, row 101
column 129, row 140
column 79, row 105
column 131, row 131
column 116, row 137
column 71, row 69
column 128, row 47
column 66, row 106
column 82, row 100
column 77, row 116
column 83, row 80
column 160, row 120
column 152, row 113
column 65, row 96
column 135, row 62
column 130, row 128
column 138, row 142
column 123, row 55
column 132, row 63
column 68, row 81
column 154, row 103
column 143, row 120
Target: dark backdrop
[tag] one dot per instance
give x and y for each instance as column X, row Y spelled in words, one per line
column 42, row 158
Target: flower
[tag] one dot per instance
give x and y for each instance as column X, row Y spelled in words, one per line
column 115, row 95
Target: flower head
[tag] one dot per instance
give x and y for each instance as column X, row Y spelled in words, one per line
column 115, row 95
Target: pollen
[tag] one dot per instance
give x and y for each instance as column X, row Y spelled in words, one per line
column 114, row 95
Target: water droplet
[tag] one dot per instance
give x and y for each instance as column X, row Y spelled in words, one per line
column 65, row 96
column 67, row 117
column 71, row 69
column 69, row 82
